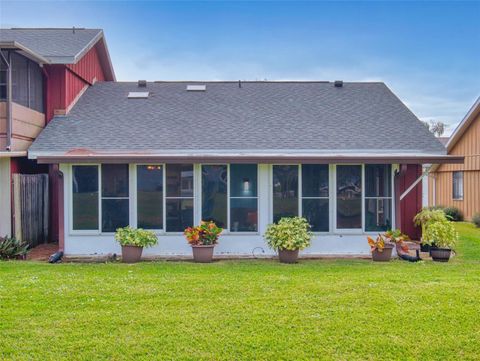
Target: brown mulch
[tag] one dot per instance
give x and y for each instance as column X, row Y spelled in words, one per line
column 42, row 252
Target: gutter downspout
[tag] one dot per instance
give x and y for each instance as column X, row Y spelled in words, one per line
column 8, row 62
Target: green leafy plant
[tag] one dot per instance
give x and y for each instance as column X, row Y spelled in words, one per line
column 129, row 236
column 454, row 214
column 11, row 248
column 389, row 237
column 289, row 233
column 207, row 233
column 476, row 220
column 441, row 234
column 429, row 216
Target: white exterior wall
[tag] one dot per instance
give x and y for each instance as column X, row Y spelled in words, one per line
column 169, row 244
column 5, row 198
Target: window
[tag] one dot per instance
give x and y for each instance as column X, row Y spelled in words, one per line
column 378, row 197
column 315, row 202
column 179, row 197
column 27, row 82
column 243, row 198
column 150, row 196
column 285, row 191
column 214, row 194
column 85, row 197
column 349, row 196
column 457, row 185
column 115, row 197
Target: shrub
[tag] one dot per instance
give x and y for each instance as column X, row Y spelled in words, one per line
column 441, row 234
column 289, row 234
column 129, row 236
column 454, row 214
column 11, row 248
column 428, row 216
column 476, row 219
column 205, row 234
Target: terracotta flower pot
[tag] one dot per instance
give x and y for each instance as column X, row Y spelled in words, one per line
column 286, row 256
column 131, row 254
column 203, row 254
column 440, row 254
column 383, row 256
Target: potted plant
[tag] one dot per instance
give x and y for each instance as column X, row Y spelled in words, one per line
column 288, row 236
column 133, row 240
column 383, row 245
column 426, row 216
column 442, row 237
column 203, row 239
column 437, row 232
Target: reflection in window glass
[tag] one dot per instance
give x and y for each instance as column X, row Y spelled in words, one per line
column 150, row 196
column 378, row 197
column 378, row 181
column 180, row 180
column 285, row 191
column 114, row 180
column 214, row 194
column 85, row 197
column 179, row 213
column 243, row 180
column 457, row 181
column 316, row 211
column 114, row 214
column 315, row 203
column 349, row 196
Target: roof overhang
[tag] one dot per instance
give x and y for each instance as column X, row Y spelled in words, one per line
column 14, row 45
column 13, row 154
column 464, row 124
column 243, row 157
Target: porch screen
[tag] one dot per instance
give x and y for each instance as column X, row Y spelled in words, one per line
column 378, row 197
column 285, row 191
column 349, row 196
column 115, row 197
column 179, row 197
column 315, row 203
column 150, row 196
column 243, row 198
column 85, row 197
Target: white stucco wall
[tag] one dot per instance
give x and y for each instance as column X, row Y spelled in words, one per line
column 5, row 197
column 230, row 244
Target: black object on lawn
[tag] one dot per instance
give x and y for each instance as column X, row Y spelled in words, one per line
column 56, row 257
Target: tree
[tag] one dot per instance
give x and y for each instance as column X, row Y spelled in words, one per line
column 436, row 128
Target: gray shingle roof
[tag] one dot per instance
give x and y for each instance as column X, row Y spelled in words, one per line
column 58, row 46
column 313, row 116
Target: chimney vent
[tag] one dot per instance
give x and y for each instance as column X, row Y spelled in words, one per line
column 338, row 83
column 142, row 83
column 196, row 88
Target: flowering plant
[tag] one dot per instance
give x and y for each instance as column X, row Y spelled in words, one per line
column 205, row 234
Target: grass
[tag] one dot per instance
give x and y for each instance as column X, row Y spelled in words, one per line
column 234, row 310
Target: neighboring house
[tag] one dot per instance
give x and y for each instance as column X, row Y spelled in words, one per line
column 458, row 185
column 43, row 72
column 166, row 155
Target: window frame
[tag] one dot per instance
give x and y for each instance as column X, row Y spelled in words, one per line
column 227, row 229
column 460, row 185
column 300, row 194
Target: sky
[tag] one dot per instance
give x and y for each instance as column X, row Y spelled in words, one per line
column 427, row 52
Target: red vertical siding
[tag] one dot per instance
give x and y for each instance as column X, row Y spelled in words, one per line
column 412, row 203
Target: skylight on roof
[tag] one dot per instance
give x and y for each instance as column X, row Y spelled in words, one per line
column 196, row 88
column 138, row 95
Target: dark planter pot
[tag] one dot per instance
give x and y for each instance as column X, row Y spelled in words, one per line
column 440, row 254
column 383, row 256
column 286, row 256
column 203, row 254
column 131, row 254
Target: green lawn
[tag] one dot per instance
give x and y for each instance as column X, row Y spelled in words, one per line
column 232, row 310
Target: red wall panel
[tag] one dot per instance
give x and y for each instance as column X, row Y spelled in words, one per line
column 412, row 203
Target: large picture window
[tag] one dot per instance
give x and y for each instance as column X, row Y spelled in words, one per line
column 179, row 197
column 243, row 198
column 85, row 197
column 285, row 191
column 457, row 181
column 115, row 197
column 315, row 201
column 349, row 196
column 150, row 196
column 378, row 197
